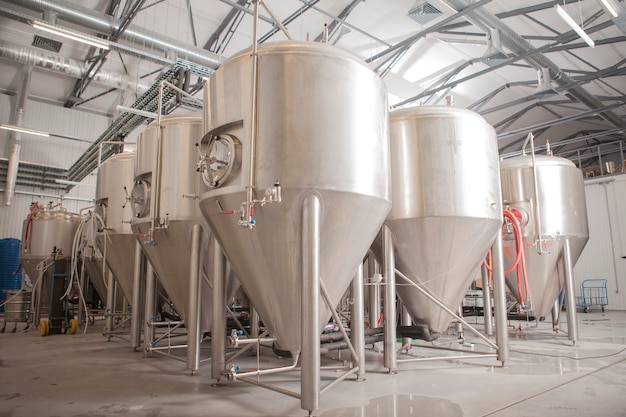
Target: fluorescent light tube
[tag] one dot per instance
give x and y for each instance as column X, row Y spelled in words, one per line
column 70, row 34
column 609, row 7
column 25, row 130
column 583, row 35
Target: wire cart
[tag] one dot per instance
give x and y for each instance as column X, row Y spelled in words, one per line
column 594, row 293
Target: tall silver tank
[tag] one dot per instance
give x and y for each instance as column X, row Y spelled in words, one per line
column 446, row 207
column 558, row 212
column 321, row 129
column 168, row 247
column 115, row 181
column 47, row 227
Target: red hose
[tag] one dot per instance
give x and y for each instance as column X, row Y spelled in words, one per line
column 28, row 222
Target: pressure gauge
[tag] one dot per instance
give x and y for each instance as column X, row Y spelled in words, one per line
column 222, row 160
column 140, row 198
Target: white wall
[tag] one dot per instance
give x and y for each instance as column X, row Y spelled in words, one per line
column 52, row 151
column 602, row 257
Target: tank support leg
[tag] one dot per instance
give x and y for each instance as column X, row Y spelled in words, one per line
column 357, row 321
column 487, row 301
column 110, row 306
column 310, row 374
column 572, row 323
column 195, row 289
column 389, row 301
column 499, row 299
column 218, row 329
column 139, row 284
column 556, row 315
column 150, row 307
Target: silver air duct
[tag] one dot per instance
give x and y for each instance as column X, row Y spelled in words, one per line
column 105, row 24
column 70, row 67
column 519, row 46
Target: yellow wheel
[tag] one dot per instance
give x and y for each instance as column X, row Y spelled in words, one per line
column 73, row 326
column 44, row 328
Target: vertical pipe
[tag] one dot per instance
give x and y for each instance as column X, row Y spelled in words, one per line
column 16, row 137
column 310, row 377
column 253, row 110
column 572, row 323
column 254, row 322
column 389, row 302
column 406, row 320
column 357, row 320
column 218, row 329
column 556, row 315
column 150, row 307
column 139, row 283
column 84, row 284
column 487, row 301
column 499, row 299
column 192, row 321
column 374, row 292
column 110, row 306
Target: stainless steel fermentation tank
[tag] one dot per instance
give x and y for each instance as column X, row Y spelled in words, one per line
column 115, row 182
column 446, row 208
column 46, row 229
column 165, row 203
column 298, row 167
column 550, row 199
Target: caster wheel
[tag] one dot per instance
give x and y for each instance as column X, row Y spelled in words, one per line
column 586, row 309
column 73, row 326
column 44, row 328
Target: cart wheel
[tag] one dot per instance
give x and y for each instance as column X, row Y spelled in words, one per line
column 586, row 309
column 73, row 326
column 44, row 328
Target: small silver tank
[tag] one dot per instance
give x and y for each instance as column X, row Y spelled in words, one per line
column 559, row 212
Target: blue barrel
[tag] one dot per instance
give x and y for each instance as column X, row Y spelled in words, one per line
column 9, row 261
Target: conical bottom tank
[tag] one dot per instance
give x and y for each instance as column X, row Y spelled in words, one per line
column 168, row 247
column 321, row 130
column 555, row 212
column 446, row 205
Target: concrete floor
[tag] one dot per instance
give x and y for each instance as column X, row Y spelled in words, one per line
column 84, row 375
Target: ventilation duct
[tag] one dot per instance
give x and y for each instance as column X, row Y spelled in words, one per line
column 105, row 24
column 70, row 67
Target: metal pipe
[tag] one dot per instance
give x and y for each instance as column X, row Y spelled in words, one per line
column 389, row 301
column 374, row 291
column 483, row 355
column 446, row 309
column 486, row 301
column 150, row 307
column 276, row 20
column 16, row 137
column 139, row 284
column 253, row 106
column 70, row 67
column 406, row 320
column 499, row 299
column 570, row 297
column 539, row 241
column 195, row 289
column 311, row 288
column 337, row 319
column 110, row 305
column 218, row 329
column 519, row 46
column 357, row 321
column 104, row 24
column 270, row 371
column 556, row 315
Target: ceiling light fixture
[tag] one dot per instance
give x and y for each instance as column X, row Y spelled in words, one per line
column 24, row 130
column 70, row 34
column 583, row 35
column 609, row 7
